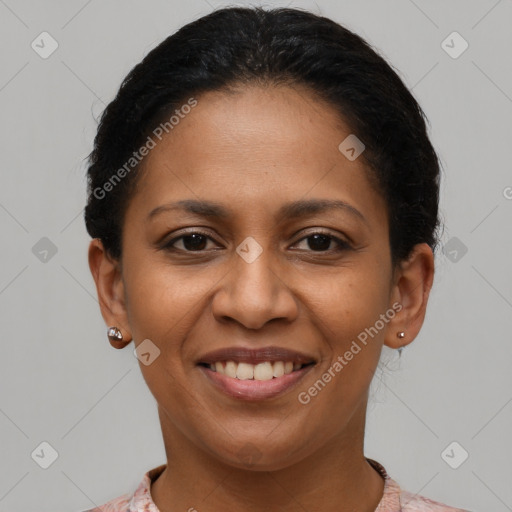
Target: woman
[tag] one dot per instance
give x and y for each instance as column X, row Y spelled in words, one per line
column 263, row 202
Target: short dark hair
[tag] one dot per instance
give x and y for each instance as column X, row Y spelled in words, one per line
column 235, row 46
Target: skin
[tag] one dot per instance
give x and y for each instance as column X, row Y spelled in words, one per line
column 254, row 151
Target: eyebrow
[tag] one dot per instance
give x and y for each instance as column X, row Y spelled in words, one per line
column 296, row 209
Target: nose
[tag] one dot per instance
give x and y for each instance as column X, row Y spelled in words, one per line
column 253, row 294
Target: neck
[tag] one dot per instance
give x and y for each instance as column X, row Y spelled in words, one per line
column 335, row 478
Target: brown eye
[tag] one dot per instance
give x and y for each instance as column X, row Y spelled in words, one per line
column 194, row 241
column 321, row 242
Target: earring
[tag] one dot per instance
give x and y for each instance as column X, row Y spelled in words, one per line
column 400, row 334
column 114, row 334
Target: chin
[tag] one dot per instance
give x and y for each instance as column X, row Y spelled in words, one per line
column 260, row 455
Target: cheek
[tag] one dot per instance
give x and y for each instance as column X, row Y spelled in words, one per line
column 162, row 306
column 347, row 310
column 347, row 303
column 162, row 301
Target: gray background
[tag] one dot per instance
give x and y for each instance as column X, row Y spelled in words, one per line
column 60, row 380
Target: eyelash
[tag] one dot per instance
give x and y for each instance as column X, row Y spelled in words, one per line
column 342, row 244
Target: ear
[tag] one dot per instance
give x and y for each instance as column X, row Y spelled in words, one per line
column 412, row 284
column 107, row 275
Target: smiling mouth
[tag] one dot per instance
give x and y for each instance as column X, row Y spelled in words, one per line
column 266, row 370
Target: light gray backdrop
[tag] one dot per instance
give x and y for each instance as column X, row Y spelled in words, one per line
column 61, row 383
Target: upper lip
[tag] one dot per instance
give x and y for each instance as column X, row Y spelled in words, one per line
column 255, row 356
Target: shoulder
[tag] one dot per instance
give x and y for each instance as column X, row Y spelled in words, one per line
column 415, row 503
column 133, row 502
column 119, row 504
column 397, row 499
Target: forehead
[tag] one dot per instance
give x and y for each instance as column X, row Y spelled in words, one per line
column 258, row 121
column 254, row 148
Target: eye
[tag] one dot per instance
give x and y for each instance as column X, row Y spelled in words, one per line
column 193, row 241
column 321, row 242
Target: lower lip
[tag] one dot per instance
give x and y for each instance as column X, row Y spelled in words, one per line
column 255, row 389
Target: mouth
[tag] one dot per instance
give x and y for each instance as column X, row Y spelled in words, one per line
column 252, row 374
column 265, row 370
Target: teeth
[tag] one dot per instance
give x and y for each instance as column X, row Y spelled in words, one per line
column 262, row 371
column 231, row 367
column 245, row 371
column 278, row 369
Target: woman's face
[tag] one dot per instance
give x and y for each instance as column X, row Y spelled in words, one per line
column 255, row 283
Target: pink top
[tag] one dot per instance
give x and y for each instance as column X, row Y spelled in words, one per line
column 394, row 499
